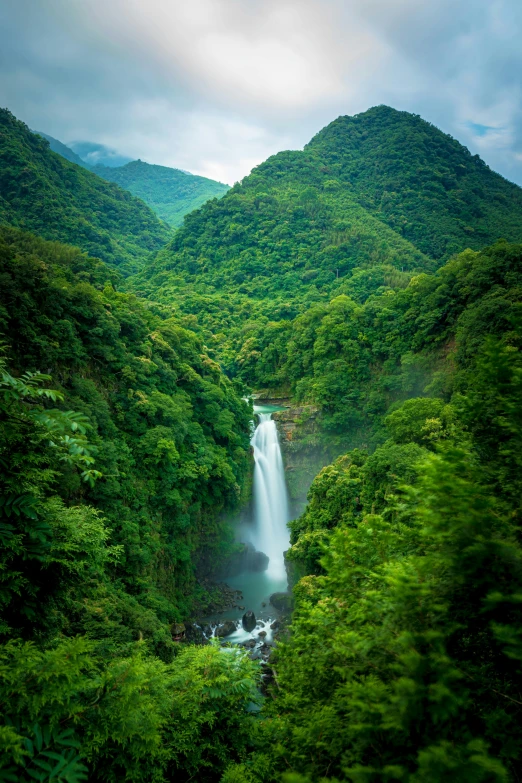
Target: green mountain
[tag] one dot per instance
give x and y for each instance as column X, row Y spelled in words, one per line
column 42, row 192
column 306, row 226
column 171, row 193
column 63, row 150
column 420, row 181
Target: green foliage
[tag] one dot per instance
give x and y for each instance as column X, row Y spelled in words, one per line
column 63, row 150
column 420, row 181
column 322, row 275
column 169, row 434
column 170, row 193
column 403, row 661
column 50, row 196
column 135, row 718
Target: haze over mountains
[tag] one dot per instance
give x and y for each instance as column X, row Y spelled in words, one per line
column 170, row 193
column 48, row 195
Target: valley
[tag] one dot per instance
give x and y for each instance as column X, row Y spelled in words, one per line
column 320, row 364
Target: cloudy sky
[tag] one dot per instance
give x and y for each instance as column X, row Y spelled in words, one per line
column 216, row 86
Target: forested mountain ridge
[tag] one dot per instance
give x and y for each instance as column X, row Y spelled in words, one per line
column 63, row 150
column 420, row 181
column 306, row 226
column 42, row 192
column 171, row 193
column 285, row 229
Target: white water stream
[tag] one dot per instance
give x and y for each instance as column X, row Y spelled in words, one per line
column 270, row 534
column 267, row 531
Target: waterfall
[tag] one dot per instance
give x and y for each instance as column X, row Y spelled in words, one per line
column 270, row 534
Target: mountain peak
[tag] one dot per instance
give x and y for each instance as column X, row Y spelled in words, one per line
column 419, row 180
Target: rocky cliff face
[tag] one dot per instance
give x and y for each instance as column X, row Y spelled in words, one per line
column 303, row 458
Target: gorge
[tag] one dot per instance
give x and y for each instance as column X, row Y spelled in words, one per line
column 373, row 279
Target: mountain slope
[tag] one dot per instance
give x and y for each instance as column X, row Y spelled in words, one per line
column 286, row 228
column 63, row 150
column 171, row 193
column 42, row 192
column 420, row 181
column 383, row 188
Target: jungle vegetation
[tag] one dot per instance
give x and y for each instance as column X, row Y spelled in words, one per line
column 170, row 193
column 376, row 277
column 43, row 193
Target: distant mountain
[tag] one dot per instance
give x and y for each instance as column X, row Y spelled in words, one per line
column 62, row 149
column 171, row 193
column 420, row 181
column 43, row 193
column 95, row 154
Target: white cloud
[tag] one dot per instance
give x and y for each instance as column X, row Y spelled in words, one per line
column 215, row 86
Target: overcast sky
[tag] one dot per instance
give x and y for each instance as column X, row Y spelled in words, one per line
column 216, row 86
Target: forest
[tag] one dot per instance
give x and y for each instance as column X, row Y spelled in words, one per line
column 374, row 278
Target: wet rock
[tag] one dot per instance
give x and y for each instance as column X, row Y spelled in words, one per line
column 282, row 601
column 240, row 607
column 178, row 631
column 194, row 634
column 262, row 634
column 275, row 625
column 249, row 621
column 226, row 628
column 263, row 604
column 246, row 558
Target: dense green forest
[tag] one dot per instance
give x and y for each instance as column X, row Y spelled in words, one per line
column 404, row 657
column 375, row 278
column 116, row 467
column 63, row 150
column 171, row 193
column 42, row 192
column 304, row 227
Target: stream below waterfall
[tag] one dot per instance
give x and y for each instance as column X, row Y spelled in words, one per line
column 267, row 531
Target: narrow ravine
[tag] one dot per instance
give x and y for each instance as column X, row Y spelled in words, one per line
column 267, row 532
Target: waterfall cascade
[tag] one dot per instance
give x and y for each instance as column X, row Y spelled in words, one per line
column 270, row 534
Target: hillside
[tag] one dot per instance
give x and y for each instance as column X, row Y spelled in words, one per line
column 169, row 433
column 286, row 227
column 397, row 654
column 302, row 228
column 63, row 150
column 42, row 192
column 420, row 181
column 171, row 193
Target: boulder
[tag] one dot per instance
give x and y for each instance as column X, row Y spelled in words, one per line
column 194, row 634
column 262, row 634
column 226, row 629
column 275, row 625
column 249, row 621
column 245, row 558
column 178, row 631
column 282, row 601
